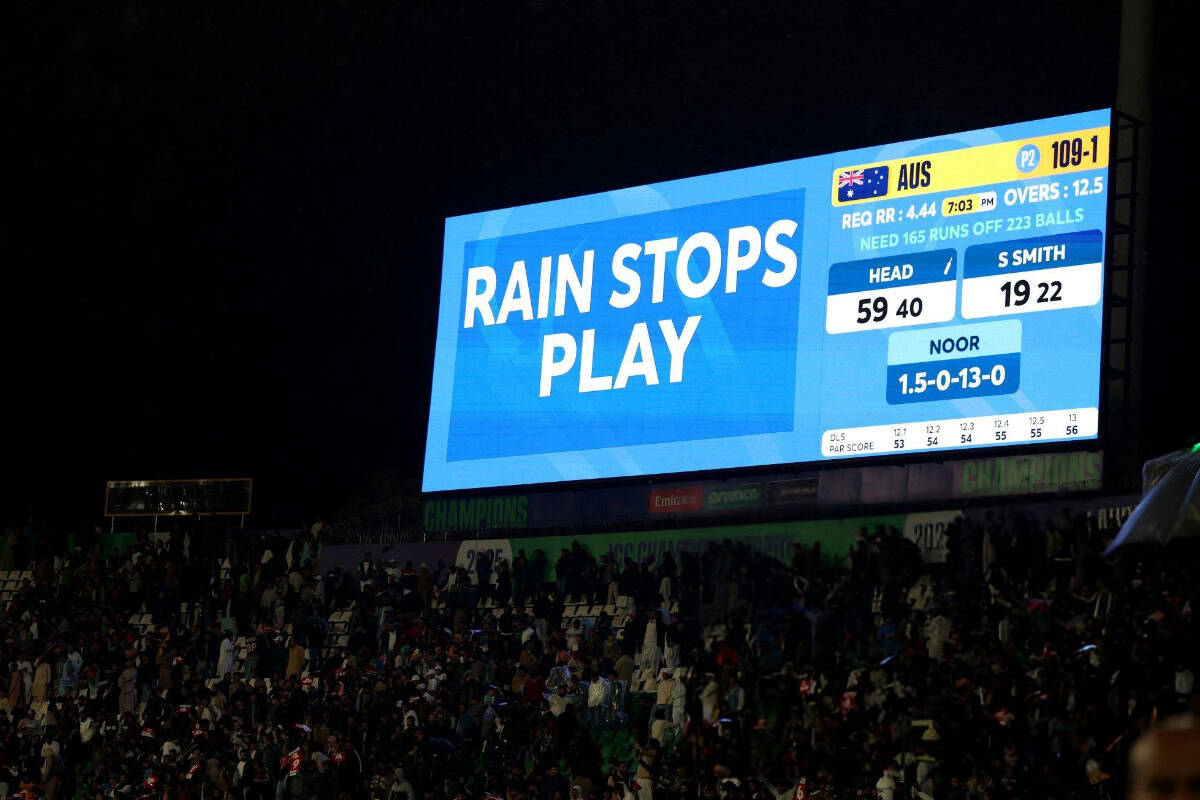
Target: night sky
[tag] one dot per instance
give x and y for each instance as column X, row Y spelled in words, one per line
column 224, row 241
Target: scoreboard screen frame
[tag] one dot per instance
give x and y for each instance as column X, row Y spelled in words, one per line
column 490, row 227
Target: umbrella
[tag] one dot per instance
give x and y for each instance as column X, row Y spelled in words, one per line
column 1171, row 508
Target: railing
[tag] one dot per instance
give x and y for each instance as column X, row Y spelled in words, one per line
column 391, row 530
column 395, row 529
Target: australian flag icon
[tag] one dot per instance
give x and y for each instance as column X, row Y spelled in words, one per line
column 862, row 184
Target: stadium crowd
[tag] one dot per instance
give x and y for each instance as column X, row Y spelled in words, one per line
column 237, row 667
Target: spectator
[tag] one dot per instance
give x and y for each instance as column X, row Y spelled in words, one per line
column 1165, row 762
column 997, row 675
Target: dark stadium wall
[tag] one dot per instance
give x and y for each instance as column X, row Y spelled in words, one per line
column 835, row 492
column 775, row 539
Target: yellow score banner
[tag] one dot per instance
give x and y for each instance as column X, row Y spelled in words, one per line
column 1056, row 154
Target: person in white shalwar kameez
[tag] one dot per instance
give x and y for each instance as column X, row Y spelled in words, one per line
column 225, row 661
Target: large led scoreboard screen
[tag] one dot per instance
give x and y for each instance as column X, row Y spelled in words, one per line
column 939, row 294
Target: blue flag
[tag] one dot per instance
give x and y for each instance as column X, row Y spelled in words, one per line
column 859, row 184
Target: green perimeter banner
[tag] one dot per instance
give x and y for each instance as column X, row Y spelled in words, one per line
column 1038, row 473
